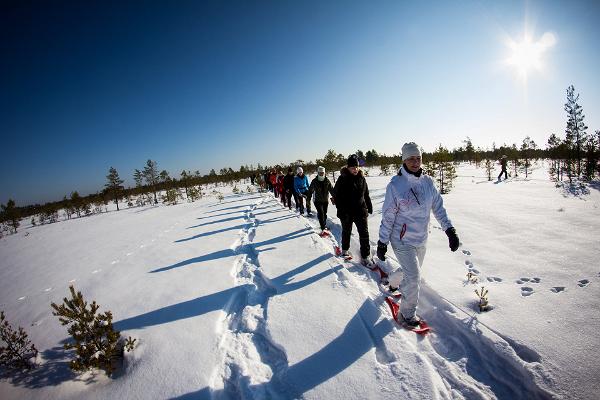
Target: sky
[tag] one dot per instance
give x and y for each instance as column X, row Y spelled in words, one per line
column 197, row 85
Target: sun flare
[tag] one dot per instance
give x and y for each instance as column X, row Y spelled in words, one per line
column 527, row 54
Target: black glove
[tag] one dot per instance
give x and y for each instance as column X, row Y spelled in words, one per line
column 453, row 241
column 381, row 250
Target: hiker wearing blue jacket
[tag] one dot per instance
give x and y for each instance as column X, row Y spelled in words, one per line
column 301, row 185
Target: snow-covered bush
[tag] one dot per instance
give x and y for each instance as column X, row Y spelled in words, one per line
column 96, row 343
column 16, row 350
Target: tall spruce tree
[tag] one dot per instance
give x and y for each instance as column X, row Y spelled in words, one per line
column 138, row 177
column 114, row 186
column 151, row 176
column 576, row 134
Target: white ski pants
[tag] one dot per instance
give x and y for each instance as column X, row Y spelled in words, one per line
column 408, row 276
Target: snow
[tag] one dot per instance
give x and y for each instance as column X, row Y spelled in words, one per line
column 241, row 299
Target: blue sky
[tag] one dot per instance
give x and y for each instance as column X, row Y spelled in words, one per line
column 197, row 85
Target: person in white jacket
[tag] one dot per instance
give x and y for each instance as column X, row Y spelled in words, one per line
column 410, row 198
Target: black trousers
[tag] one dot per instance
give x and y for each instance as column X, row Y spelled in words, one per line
column 363, row 233
column 503, row 172
column 322, row 213
column 300, row 203
column 288, row 198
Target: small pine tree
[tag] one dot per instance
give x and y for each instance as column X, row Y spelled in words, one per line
column 17, row 350
column 488, row 165
column 442, row 169
column 193, row 193
column 11, row 215
column 114, row 186
column 483, row 304
column 97, row 344
column 152, row 177
column 171, row 196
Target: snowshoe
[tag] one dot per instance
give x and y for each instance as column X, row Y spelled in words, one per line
column 421, row 326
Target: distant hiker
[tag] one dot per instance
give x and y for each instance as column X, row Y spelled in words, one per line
column 288, row 188
column 300, row 190
column 351, row 197
column 410, row 197
column 503, row 166
column 267, row 181
column 321, row 188
column 252, row 178
column 279, row 186
column 273, row 181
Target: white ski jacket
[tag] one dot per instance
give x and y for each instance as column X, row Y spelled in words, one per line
column 409, row 201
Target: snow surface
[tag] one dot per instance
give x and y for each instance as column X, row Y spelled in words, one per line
column 241, row 299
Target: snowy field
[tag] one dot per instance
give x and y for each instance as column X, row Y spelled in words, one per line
column 241, row 299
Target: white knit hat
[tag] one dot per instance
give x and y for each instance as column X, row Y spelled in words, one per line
column 410, row 149
column 299, row 170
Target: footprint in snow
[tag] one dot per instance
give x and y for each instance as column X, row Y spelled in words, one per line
column 526, row 291
column 583, row 283
column 520, row 281
column 473, row 270
column 469, row 263
column 494, row 279
column 558, row 289
column 466, row 252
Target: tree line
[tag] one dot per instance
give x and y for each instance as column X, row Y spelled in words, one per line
column 576, row 155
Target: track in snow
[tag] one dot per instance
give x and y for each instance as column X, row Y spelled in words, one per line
column 252, row 363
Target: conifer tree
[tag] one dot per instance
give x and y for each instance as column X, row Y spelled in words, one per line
column 114, row 186
column 442, row 169
column 138, row 177
column 151, row 176
column 96, row 343
column 488, row 165
column 184, row 179
column 555, row 151
column 11, row 215
column 527, row 147
column 371, row 157
column 16, row 350
column 576, row 135
column 591, row 155
column 77, row 203
column 469, row 149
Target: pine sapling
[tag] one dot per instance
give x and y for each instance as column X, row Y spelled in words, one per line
column 16, row 350
column 96, row 343
column 471, row 277
column 483, row 299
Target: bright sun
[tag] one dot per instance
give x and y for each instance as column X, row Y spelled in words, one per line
column 527, row 54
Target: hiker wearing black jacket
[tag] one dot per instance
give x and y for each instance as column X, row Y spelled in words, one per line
column 351, row 197
column 288, row 188
column 321, row 188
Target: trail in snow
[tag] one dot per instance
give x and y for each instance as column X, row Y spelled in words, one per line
column 252, row 364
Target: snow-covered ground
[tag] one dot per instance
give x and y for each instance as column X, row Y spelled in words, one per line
column 241, row 299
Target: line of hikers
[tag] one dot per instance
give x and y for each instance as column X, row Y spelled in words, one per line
column 410, row 198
